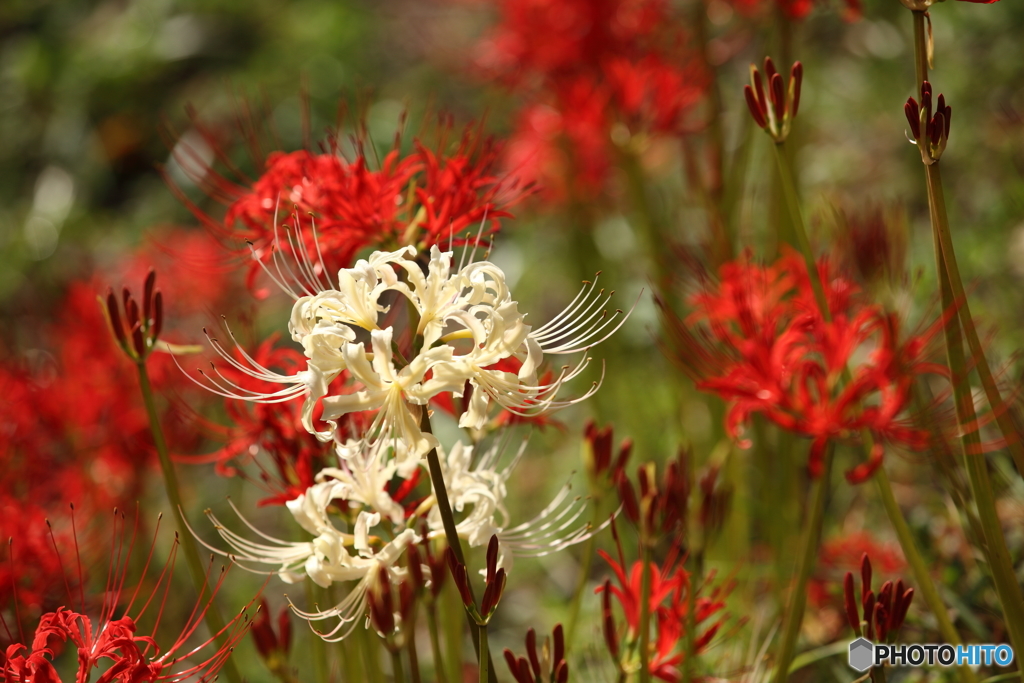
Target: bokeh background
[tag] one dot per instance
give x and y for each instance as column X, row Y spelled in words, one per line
column 95, row 97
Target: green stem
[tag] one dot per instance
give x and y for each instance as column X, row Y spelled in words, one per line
column 920, row 49
column 214, row 620
column 485, row 671
column 581, row 586
column 988, row 382
column 414, row 657
column 371, row 657
column 922, row 576
column 435, row 644
column 804, row 244
column 996, row 552
column 444, row 507
column 318, row 645
column 645, row 614
column 396, row 665
column 808, row 555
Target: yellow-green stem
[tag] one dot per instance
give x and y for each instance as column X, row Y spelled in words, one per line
column 808, row 555
column 920, row 49
column 581, row 586
column 318, row 645
column 214, row 620
column 996, row 552
column 922, row 577
column 371, row 654
column 396, row 665
column 414, row 657
column 435, row 644
column 988, row 382
column 444, row 507
column 484, row 668
column 803, row 243
column 645, row 613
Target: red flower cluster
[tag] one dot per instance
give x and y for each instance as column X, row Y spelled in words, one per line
column 588, row 66
column 758, row 339
column 134, row 658
column 668, row 607
column 73, row 426
column 324, row 208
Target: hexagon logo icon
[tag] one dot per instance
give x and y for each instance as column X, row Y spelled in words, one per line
column 862, row 654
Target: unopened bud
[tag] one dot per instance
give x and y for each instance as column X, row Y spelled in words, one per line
column 850, row 603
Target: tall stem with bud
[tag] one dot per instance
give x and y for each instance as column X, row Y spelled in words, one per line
column 138, row 341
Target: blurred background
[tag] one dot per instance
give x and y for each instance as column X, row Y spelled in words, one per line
column 95, row 97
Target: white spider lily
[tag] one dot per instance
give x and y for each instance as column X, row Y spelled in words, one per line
column 467, row 326
column 481, row 489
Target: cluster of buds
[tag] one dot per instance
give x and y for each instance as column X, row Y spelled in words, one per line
column 273, row 647
column 662, row 504
column 139, row 337
column 597, row 456
column 494, row 584
column 547, row 666
column 436, row 567
column 931, row 132
column 785, row 101
column 380, row 602
column 884, row 613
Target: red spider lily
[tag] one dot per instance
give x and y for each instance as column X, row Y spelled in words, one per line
column 668, row 606
column 763, row 345
column 133, row 657
column 588, row 66
column 73, row 426
column 443, row 194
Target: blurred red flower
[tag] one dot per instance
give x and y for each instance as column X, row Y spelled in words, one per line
column 594, row 73
column 325, row 208
column 758, row 339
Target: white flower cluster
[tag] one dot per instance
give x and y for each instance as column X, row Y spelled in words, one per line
column 466, row 326
column 460, row 333
column 357, row 490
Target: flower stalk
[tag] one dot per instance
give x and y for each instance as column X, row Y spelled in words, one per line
column 138, row 338
column 808, row 555
column 645, row 614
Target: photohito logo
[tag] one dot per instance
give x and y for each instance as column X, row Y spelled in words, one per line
column 864, row 654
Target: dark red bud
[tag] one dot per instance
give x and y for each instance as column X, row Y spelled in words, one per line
column 869, row 610
column 115, row 318
column 940, row 103
column 611, row 639
column 284, row 629
column 531, row 652
column 778, row 94
column 796, row 79
column 937, row 128
column 628, row 499
column 460, row 577
column 158, row 315
column 850, row 602
column 492, row 558
column 881, row 621
column 913, row 113
column 625, row 448
column 513, row 666
column 126, row 296
column 262, row 633
column 415, row 568
column 885, row 595
column 562, row 672
column 769, row 69
column 865, row 577
column 147, row 295
column 946, row 117
column 926, row 100
column 755, row 110
column 908, row 597
column 762, row 102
